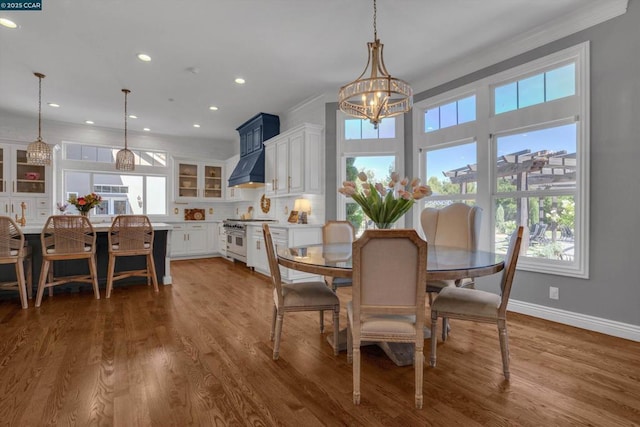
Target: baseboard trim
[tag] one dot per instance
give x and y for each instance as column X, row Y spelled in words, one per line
column 591, row 323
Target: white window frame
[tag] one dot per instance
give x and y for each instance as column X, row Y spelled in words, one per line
column 362, row 148
column 487, row 125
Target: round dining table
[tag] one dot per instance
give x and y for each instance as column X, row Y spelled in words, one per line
column 443, row 263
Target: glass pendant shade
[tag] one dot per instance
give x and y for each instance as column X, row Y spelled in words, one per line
column 39, row 152
column 379, row 95
column 125, row 159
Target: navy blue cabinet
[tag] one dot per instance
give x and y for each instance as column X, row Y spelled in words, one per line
column 256, row 130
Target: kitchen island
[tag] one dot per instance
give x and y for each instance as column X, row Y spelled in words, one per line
column 73, row 267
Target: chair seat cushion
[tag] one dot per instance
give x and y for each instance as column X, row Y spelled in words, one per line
column 307, row 294
column 466, row 301
column 384, row 323
column 117, row 247
column 438, row 285
column 53, row 251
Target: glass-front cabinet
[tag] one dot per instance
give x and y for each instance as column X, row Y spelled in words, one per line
column 199, row 180
column 23, row 187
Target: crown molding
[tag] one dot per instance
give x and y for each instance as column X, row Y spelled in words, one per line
column 556, row 29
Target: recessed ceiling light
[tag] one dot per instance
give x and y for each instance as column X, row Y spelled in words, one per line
column 131, row 116
column 213, row 108
column 196, row 125
column 89, row 122
column 144, row 57
column 8, row 23
column 53, row 104
column 146, row 129
column 240, row 80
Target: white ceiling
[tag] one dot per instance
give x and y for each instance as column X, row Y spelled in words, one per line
column 287, row 50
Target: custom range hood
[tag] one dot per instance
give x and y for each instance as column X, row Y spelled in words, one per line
column 249, row 172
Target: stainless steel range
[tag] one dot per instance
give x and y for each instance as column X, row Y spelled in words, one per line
column 236, row 230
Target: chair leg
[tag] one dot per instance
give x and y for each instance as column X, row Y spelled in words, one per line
column 336, row 330
column 110, row 271
column 504, row 347
column 276, row 344
column 445, row 328
column 321, row 321
column 22, row 287
column 93, row 269
column 273, row 322
column 151, row 267
column 434, row 337
column 418, row 362
column 349, row 344
column 29, row 275
column 50, row 277
column 44, row 272
column 356, row 373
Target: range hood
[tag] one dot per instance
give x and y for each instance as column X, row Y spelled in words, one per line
column 249, row 172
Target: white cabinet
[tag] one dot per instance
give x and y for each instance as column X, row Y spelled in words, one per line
column 199, row 181
column 294, row 162
column 284, row 236
column 23, row 183
column 233, row 193
column 222, row 240
column 190, row 240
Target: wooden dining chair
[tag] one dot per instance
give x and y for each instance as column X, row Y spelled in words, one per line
column 480, row 306
column 14, row 251
column 456, row 225
column 389, row 272
column 63, row 238
column 291, row 297
column 131, row 235
column 338, row 232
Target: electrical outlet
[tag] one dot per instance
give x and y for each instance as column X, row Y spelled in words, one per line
column 553, row 292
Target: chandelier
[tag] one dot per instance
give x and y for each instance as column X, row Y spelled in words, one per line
column 125, row 159
column 39, row 152
column 379, row 95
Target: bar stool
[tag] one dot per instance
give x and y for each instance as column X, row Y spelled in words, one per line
column 131, row 235
column 14, row 251
column 67, row 237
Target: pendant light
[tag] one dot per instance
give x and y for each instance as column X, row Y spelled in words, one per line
column 39, row 152
column 125, row 160
column 379, row 95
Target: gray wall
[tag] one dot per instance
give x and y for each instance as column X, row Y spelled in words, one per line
column 613, row 290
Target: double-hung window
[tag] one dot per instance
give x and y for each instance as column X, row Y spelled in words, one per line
column 522, row 154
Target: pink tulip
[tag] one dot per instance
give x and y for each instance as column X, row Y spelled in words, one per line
column 415, row 182
column 381, row 189
column 349, row 184
column 362, row 176
column 404, row 194
column 395, row 176
column 404, row 181
column 425, row 189
column 366, row 185
column 347, row 191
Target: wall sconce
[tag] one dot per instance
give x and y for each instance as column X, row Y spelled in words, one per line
column 303, row 207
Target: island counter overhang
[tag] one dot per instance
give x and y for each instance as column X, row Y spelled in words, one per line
column 161, row 258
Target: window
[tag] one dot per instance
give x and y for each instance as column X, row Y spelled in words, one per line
column 91, row 153
column 451, row 172
column 121, row 194
column 378, row 169
column 528, row 167
column 450, row 114
column 363, row 129
column 362, row 148
column 543, row 87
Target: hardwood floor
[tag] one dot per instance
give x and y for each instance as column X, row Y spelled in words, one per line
column 198, row 353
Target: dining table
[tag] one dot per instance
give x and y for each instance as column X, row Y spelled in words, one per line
column 443, row 263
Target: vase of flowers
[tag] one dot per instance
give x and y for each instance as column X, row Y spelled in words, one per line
column 85, row 203
column 385, row 204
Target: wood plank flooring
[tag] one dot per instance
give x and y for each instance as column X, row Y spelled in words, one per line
column 198, row 353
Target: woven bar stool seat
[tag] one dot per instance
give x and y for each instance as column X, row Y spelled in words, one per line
column 67, row 237
column 14, row 251
column 131, row 235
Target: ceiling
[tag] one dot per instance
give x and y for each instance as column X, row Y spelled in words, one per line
column 288, row 51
